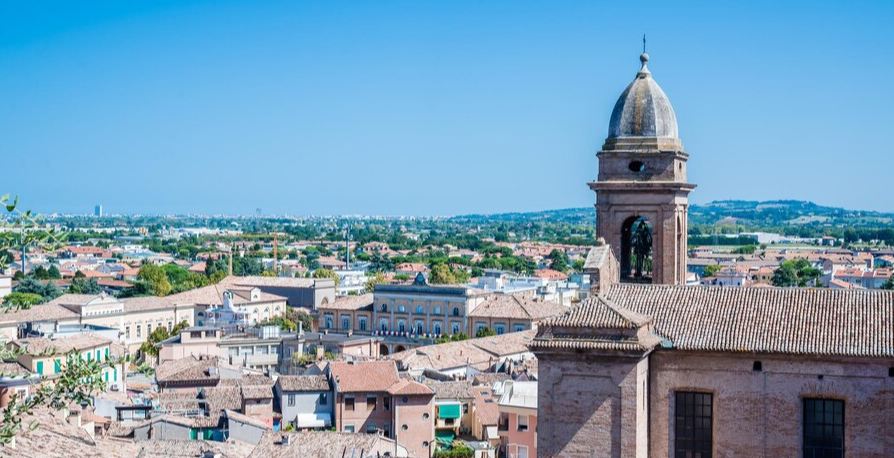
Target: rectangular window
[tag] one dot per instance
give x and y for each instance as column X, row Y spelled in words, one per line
column 349, row 404
column 522, row 451
column 693, row 422
column 40, row 368
column 139, row 332
column 362, row 323
column 291, row 400
column 149, row 329
column 386, row 401
column 127, row 332
column 323, row 399
column 349, row 428
column 522, row 422
column 823, row 428
column 370, row 403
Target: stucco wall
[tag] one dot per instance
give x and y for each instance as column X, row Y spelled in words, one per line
column 249, row 434
column 305, row 403
column 420, row 432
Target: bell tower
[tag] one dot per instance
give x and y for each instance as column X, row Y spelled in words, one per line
column 642, row 197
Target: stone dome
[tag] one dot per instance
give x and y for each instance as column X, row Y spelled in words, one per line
column 643, row 110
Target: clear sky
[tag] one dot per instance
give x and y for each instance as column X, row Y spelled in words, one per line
column 431, row 108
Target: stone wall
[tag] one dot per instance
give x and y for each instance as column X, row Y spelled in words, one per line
column 587, row 406
column 760, row 413
column 597, row 406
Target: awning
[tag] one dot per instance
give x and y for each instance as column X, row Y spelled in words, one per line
column 491, row 433
column 444, row 437
column 309, row 420
column 449, row 411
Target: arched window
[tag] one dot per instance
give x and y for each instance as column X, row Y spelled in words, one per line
column 420, row 310
column 384, row 307
column 455, row 311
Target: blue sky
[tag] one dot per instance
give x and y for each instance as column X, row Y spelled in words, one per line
column 431, row 108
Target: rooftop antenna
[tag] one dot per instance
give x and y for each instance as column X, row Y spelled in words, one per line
column 644, row 43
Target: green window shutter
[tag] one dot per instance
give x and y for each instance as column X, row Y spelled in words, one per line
column 107, row 353
column 98, row 356
column 40, row 368
column 89, row 356
column 105, row 376
column 57, row 365
column 193, row 434
column 115, row 374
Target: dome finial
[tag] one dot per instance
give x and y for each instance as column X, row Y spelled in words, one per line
column 644, row 59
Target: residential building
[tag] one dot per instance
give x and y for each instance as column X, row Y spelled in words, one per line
column 47, row 358
column 134, row 318
column 351, row 281
column 195, row 341
column 518, row 419
column 504, row 313
column 406, row 316
column 305, row 401
column 371, row 398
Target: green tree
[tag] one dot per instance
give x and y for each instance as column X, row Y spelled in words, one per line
column 376, row 279
column 485, row 332
column 712, row 269
column 40, row 273
column 326, row 273
column 282, row 322
column 47, row 290
column 457, row 450
column 159, row 334
column 558, row 260
column 441, row 275
column 22, row 300
column 53, row 273
column 889, row 284
column 796, row 272
column 153, row 280
column 84, row 286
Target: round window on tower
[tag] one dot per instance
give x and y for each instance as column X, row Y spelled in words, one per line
column 636, row 166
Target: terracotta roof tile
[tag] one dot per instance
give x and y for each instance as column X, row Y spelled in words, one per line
column 807, row 321
column 303, row 383
column 366, row 376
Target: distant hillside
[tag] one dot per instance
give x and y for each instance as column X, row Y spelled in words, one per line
column 751, row 214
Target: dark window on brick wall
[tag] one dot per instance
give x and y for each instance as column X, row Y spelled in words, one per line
column 693, row 421
column 823, row 428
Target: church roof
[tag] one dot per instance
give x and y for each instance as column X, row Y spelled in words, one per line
column 802, row 321
column 643, row 110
